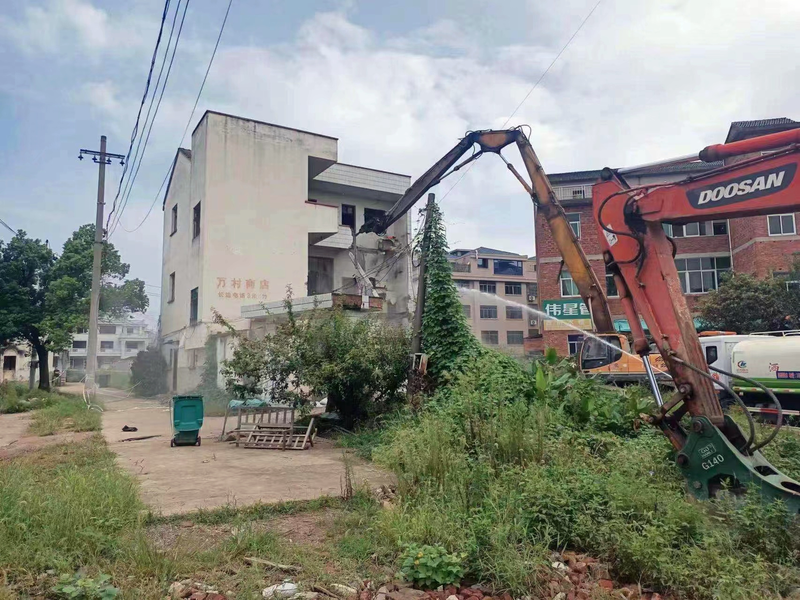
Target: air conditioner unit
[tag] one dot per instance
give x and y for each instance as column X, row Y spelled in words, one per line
column 531, row 298
column 532, row 322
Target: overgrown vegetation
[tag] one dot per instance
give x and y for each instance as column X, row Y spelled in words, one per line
column 359, row 364
column 745, row 304
column 149, row 373
column 67, row 414
column 16, row 397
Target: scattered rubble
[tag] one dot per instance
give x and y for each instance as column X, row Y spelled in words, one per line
column 287, row 589
column 194, row 590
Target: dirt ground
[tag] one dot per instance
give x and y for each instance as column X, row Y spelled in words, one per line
column 177, row 480
column 15, row 439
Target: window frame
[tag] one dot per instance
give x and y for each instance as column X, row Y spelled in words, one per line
column 79, row 347
column 174, row 223
column 496, row 341
column 780, row 221
column 610, row 280
column 488, row 308
column 467, row 310
column 109, row 344
column 483, row 263
column 511, row 267
column 194, row 306
column 379, row 213
column 684, row 274
column 576, row 230
column 514, row 285
column 463, row 284
column 515, row 309
column 574, row 341
column 562, row 279
column 515, row 343
column 342, row 215
column 101, row 332
column 487, row 285
column 196, row 216
column 171, row 297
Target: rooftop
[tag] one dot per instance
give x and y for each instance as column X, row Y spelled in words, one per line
column 483, row 251
column 742, row 130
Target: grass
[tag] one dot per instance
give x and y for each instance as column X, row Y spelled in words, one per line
column 16, row 398
column 67, row 414
column 69, row 507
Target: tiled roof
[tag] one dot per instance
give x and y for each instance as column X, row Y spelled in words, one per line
column 593, row 176
column 742, row 130
column 459, row 252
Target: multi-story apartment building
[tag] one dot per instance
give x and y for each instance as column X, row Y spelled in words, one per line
column 486, row 280
column 117, row 340
column 253, row 209
column 764, row 246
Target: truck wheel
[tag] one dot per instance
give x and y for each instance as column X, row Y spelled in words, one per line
column 172, row 443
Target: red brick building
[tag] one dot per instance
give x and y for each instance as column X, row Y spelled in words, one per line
column 765, row 246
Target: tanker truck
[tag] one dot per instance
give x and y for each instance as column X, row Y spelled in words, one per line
column 773, row 361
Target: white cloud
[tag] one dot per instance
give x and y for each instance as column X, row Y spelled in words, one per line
column 66, row 27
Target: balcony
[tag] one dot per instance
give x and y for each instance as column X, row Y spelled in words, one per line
column 461, row 267
column 323, row 221
column 573, row 192
column 342, row 239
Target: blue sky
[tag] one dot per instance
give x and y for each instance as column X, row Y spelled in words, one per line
column 397, row 82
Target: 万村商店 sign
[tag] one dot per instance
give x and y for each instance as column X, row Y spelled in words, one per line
column 563, row 313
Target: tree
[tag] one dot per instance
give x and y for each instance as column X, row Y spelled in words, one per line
column 745, row 304
column 44, row 298
column 149, row 373
column 360, row 364
column 446, row 336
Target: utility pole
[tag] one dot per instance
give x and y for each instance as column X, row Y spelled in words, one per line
column 416, row 340
column 102, row 158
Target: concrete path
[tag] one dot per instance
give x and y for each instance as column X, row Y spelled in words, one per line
column 176, row 480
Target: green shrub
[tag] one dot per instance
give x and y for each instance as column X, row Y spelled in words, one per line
column 16, row 397
column 431, row 566
column 68, row 414
column 81, row 587
column 149, row 373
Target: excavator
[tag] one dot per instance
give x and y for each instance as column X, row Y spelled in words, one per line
column 712, row 451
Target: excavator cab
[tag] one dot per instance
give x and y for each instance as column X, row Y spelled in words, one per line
column 601, row 351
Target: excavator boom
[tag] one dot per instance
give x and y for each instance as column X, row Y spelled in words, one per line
column 542, row 194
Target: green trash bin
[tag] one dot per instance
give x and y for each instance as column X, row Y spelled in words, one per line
column 187, row 419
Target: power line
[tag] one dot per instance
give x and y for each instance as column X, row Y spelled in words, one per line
column 189, row 120
column 7, row 226
column 535, row 85
column 133, row 161
column 135, row 131
column 158, row 105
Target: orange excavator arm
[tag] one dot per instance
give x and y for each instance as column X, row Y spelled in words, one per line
column 641, row 256
column 542, row 194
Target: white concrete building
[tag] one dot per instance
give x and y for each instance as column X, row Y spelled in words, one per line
column 255, row 208
column 117, row 340
column 17, row 360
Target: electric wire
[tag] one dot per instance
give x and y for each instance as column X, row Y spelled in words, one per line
column 533, row 88
column 7, row 226
column 135, row 131
column 132, row 180
column 189, row 120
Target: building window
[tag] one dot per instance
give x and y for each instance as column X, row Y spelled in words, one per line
column 489, row 337
column 696, row 229
column 349, row 216
column 513, row 312
column 81, row 330
column 575, row 222
column 111, row 329
column 373, row 214
column 513, row 289
column 174, row 226
column 488, row 312
column 488, row 287
column 196, row 221
column 611, row 286
column 467, row 310
column 700, row 275
column 171, row 287
column 463, row 284
column 79, row 344
column 574, row 343
column 130, row 330
column 533, row 291
column 483, row 263
column 132, row 345
column 107, row 345
column 9, row 363
column 514, row 338
column 568, row 287
column 781, row 224
column 193, row 307
column 507, row 267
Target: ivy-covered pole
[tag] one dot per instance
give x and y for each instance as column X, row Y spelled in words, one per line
column 446, row 336
column 416, row 340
